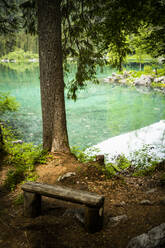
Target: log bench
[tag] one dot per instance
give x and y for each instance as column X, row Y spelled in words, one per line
column 94, row 203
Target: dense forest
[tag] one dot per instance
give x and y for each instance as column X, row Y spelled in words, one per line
column 21, row 40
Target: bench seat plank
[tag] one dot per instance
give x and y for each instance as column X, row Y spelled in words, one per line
column 65, row 193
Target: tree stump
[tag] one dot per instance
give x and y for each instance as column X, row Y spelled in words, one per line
column 100, row 159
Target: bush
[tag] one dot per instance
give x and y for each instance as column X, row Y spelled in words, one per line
column 20, row 55
column 148, row 69
column 22, row 158
column 7, row 103
column 84, row 156
column 14, row 177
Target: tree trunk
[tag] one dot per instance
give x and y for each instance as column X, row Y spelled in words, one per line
column 55, row 136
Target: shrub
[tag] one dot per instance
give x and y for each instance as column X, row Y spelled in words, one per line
column 22, row 158
column 148, row 69
column 7, row 103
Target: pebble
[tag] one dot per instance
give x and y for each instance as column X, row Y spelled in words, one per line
column 68, row 174
column 151, row 191
column 115, row 220
column 120, row 204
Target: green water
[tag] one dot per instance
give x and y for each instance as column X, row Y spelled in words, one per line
column 101, row 111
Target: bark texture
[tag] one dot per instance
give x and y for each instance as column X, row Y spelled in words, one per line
column 55, row 136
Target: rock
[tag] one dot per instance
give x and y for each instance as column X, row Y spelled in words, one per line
column 106, row 80
column 17, row 142
column 5, row 60
column 123, row 81
column 120, row 204
column 109, row 79
column 160, row 80
column 115, row 79
column 66, row 175
column 144, row 80
column 151, row 191
column 115, row 220
column 12, row 60
column 126, row 74
column 153, row 239
column 146, row 202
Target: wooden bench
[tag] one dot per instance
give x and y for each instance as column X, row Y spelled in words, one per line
column 94, row 203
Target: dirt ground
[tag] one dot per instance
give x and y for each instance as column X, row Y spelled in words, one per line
column 140, row 200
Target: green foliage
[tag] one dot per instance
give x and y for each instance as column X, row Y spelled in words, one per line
column 22, row 157
column 158, row 85
column 19, row 199
column 141, row 162
column 148, row 69
column 146, row 171
column 20, row 55
column 161, row 71
column 133, row 58
column 120, row 164
column 7, row 103
column 10, row 19
column 144, row 157
column 109, row 170
column 118, row 51
column 25, row 154
column 83, row 156
column 14, row 177
column 21, row 67
column 162, row 179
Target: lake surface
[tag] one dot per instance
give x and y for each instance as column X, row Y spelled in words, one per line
column 101, row 111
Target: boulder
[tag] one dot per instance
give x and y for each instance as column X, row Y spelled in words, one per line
column 160, row 80
column 144, row 80
column 153, row 239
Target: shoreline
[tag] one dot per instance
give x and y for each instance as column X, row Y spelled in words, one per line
column 155, row 82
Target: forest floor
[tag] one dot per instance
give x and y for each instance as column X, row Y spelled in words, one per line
column 58, row 227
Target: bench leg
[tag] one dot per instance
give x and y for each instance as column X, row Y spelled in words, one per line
column 32, row 204
column 93, row 219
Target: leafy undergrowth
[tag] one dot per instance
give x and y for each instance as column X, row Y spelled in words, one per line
column 141, row 162
column 58, row 227
column 21, row 158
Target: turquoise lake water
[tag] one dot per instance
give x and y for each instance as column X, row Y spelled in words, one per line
column 101, row 111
